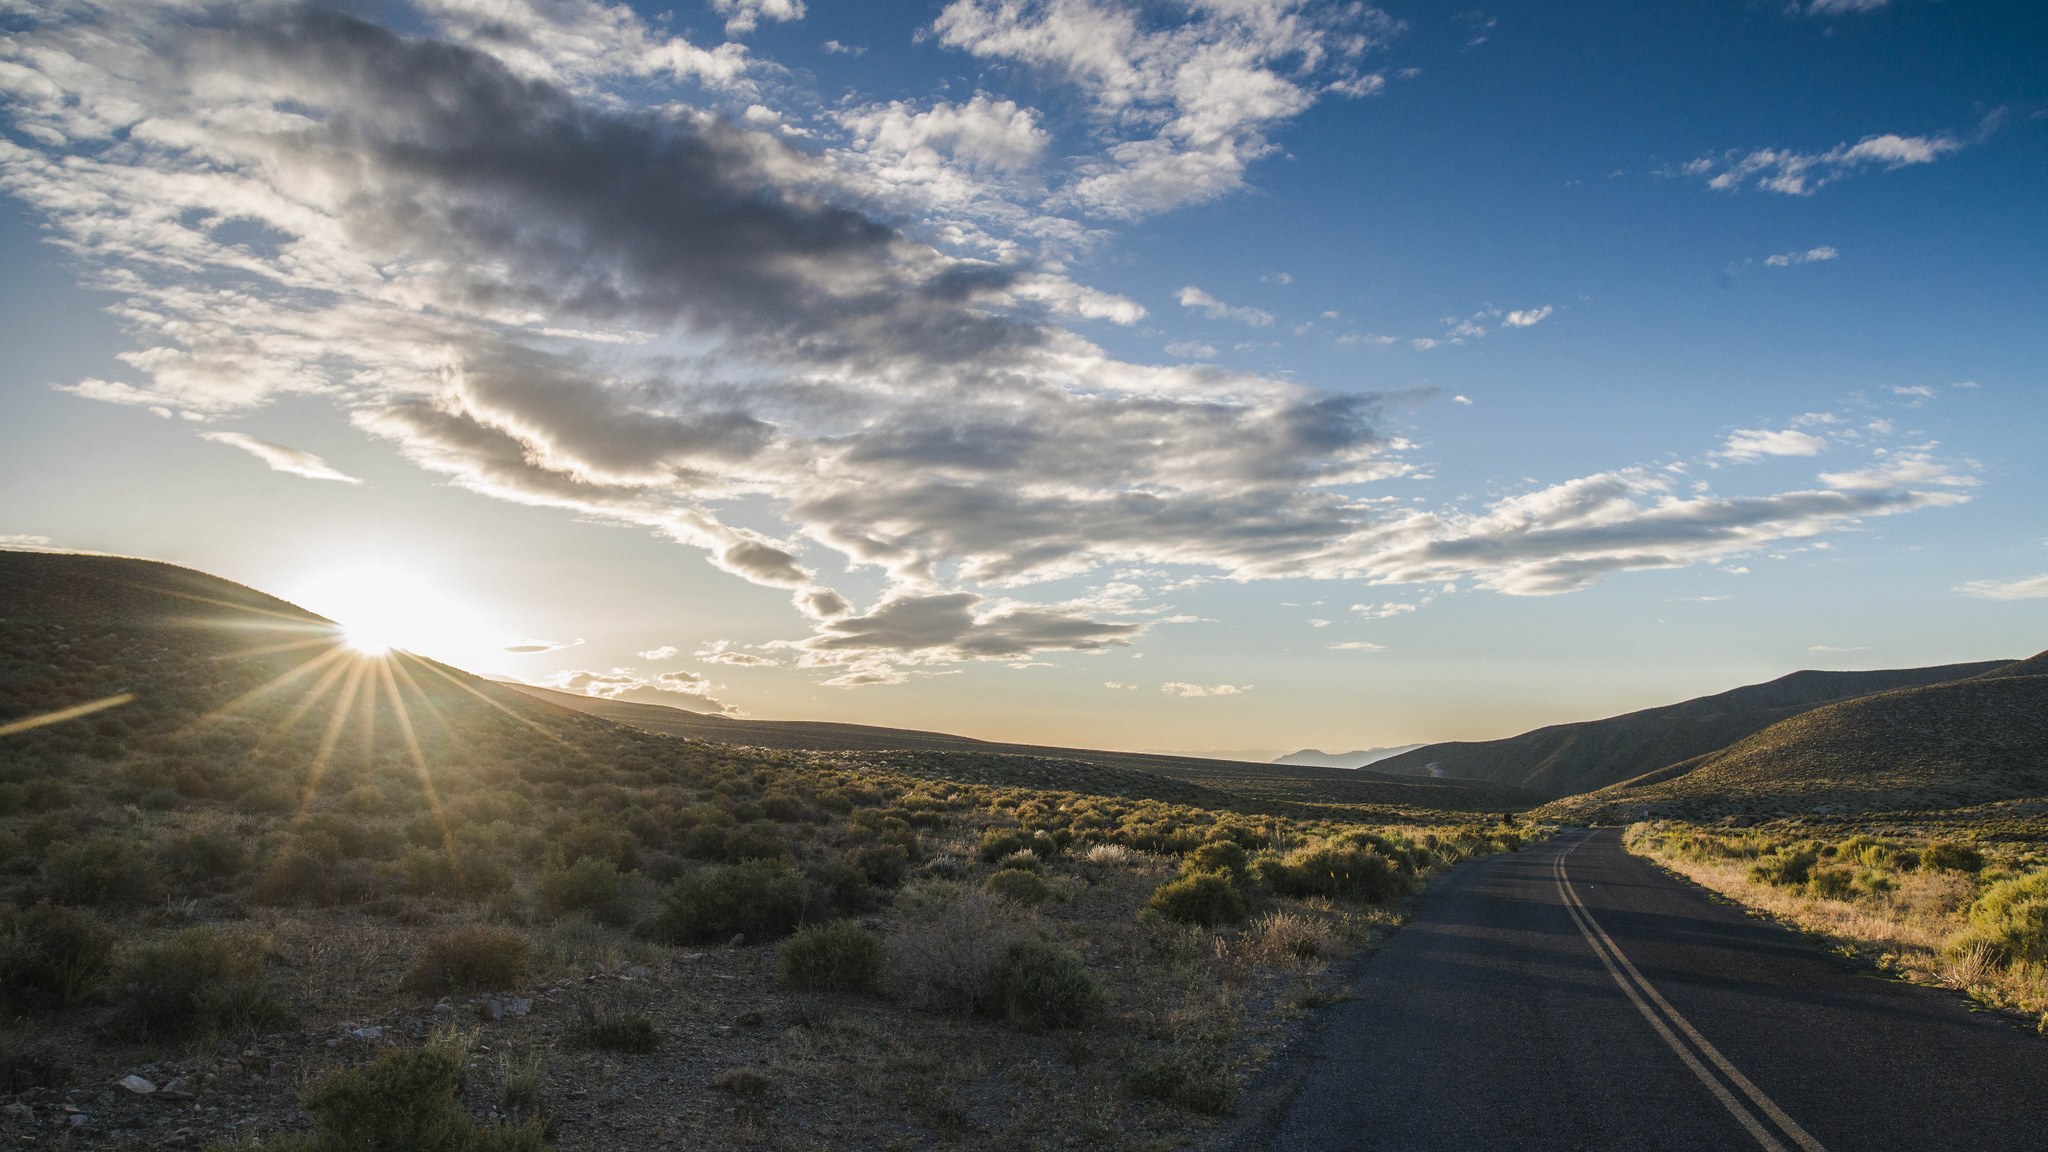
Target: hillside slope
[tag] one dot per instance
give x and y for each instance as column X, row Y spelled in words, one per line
column 1293, row 783
column 1942, row 746
column 1565, row 759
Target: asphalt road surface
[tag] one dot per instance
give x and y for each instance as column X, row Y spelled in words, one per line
column 1571, row 996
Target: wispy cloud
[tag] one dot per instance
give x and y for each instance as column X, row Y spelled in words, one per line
column 1810, row 256
column 1804, row 173
column 1214, row 309
column 666, row 651
column 1178, row 688
column 281, row 458
column 726, row 652
column 1526, row 318
column 1359, row 646
column 529, row 646
column 743, row 16
column 2031, row 588
column 1747, row 445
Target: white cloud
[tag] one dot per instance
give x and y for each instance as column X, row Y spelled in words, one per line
column 2031, row 588
column 835, row 48
column 723, row 652
column 742, row 16
column 662, row 653
column 22, row 542
column 1527, row 318
column 1178, row 688
column 1811, row 255
column 1191, row 350
column 623, row 683
column 1319, row 623
column 530, row 646
column 1359, row 646
column 1381, row 612
column 1461, row 400
column 1283, row 279
column 1747, row 445
column 281, row 458
column 1214, row 309
column 1896, row 469
column 1818, row 648
column 1184, row 94
column 1803, row 173
column 1839, row 7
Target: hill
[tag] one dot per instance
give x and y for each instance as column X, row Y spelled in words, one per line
column 1566, row 759
column 1359, row 758
column 1943, row 746
column 1255, row 783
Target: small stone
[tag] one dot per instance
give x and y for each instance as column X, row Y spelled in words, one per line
column 490, row 1010
column 444, row 1009
column 136, row 1084
column 518, row 1007
column 738, row 938
column 635, row 972
column 692, row 958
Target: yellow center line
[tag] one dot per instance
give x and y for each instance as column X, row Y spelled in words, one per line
column 1630, row 979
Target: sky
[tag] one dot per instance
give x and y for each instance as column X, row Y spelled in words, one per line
column 1205, row 375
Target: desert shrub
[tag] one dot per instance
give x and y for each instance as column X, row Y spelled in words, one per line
column 1834, row 883
column 28, row 1064
column 1351, row 871
column 201, row 980
column 837, row 957
column 405, row 1102
column 1024, row 859
column 1225, row 857
column 631, row 1032
column 784, row 807
column 1951, row 857
column 869, row 826
column 840, row 887
column 1186, row 1080
column 1205, row 898
column 2010, row 920
column 589, row 885
column 997, row 843
column 761, row 900
column 102, row 870
column 1785, row 867
column 210, row 855
column 469, row 958
column 463, row 874
column 600, row 842
column 52, row 957
column 1286, row 936
column 943, row 955
column 885, row 865
column 1025, row 887
column 759, row 840
column 1039, row 985
column 295, row 876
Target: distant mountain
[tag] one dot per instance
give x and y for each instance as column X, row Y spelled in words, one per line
column 1294, row 783
column 1945, row 745
column 1358, row 759
column 1565, row 759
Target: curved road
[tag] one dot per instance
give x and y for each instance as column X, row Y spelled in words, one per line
column 1572, row 996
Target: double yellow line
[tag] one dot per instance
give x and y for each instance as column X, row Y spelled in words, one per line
column 1670, row 1025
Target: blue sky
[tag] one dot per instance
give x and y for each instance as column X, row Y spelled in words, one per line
column 1243, row 375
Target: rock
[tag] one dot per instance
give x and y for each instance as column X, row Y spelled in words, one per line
column 444, row 1009
column 518, row 1007
column 280, row 1068
column 490, row 1010
column 692, row 958
column 738, row 938
column 137, row 1085
column 633, row 972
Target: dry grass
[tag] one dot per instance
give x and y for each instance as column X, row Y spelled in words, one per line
column 1910, row 930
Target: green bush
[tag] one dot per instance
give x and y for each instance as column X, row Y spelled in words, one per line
column 1023, row 859
column 51, row 957
column 997, row 843
column 198, row 981
column 102, row 870
column 1835, row 883
column 295, row 877
column 211, row 855
column 761, row 900
column 2011, row 919
column 1351, row 871
column 473, row 958
column 467, row 875
column 1039, row 985
column 1193, row 1083
column 1206, row 898
column 1951, row 857
column 634, row 1033
column 885, row 865
column 591, row 885
column 405, row 1102
column 1223, row 856
column 1786, row 867
column 837, row 957
column 1017, row 884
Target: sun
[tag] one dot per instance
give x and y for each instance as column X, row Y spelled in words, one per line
column 366, row 639
column 382, row 609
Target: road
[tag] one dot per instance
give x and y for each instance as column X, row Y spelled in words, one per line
column 1572, row 996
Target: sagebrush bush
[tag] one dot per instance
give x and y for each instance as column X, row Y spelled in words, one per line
column 102, row 870
column 1834, row 882
column 761, row 900
column 208, row 856
column 1205, row 898
column 1951, row 857
column 461, row 874
column 1192, row 1082
column 1025, row 887
column 590, row 885
column 836, row 957
column 1350, row 871
column 885, row 865
column 622, row 1033
column 1286, row 936
column 51, row 957
column 1040, row 985
column 405, row 1102
column 1221, row 856
column 201, row 980
column 473, row 958
column 1786, row 867
column 2010, row 919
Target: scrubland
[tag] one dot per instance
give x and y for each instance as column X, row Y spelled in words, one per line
column 1964, row 913
column 380, row 904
